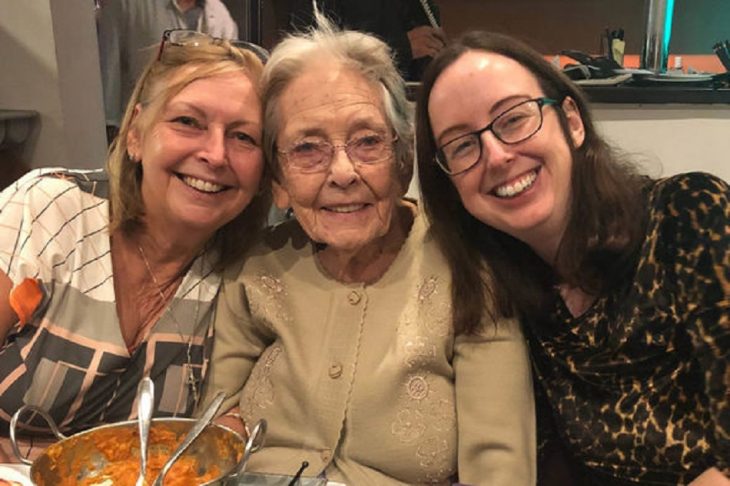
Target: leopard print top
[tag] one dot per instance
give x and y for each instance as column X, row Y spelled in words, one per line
column 638, row 385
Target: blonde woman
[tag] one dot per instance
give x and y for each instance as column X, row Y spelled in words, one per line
column 109, row 276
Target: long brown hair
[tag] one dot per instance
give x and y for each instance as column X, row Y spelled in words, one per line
column 161, row 80
column 496, row 273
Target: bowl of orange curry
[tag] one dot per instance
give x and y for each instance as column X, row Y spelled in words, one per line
column 109, row 455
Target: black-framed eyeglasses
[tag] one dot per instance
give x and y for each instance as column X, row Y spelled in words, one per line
column 313, row 155
column 193, row 38
column 510, row 127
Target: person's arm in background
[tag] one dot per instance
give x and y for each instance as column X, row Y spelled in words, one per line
column 495, row 407
column 425, row 41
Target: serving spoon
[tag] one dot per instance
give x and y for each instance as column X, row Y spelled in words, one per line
column 254, row 442
column 193, row 434
column 145, row 406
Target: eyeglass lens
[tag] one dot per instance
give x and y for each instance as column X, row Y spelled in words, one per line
column 510, row 127
column 316, row 155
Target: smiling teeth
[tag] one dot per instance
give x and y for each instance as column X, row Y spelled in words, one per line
column 523, row 183
column 346, row 209
column 201, row 185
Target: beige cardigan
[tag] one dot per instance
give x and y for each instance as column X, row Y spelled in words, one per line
column 367, row 382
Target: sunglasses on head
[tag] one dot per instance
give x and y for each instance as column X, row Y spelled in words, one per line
column 192, row 38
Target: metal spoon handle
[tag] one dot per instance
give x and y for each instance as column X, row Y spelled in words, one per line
column 14, row 425
column 193, row 434
column 253, row 444
column 145, row 407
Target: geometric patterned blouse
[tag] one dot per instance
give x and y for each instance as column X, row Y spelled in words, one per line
column 67, row 355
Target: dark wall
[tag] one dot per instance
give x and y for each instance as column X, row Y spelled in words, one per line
column 273, row 19
column 554, row 25
column 698, row 24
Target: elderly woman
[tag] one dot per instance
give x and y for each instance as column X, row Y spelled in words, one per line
column 338, row 328
column 623, row 282
column 106, row 277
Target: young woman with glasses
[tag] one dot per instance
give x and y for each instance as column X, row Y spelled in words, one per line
column 109, row 276
column 622, row 282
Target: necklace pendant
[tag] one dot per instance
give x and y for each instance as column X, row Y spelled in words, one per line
column 192, row 381
column 193, row 386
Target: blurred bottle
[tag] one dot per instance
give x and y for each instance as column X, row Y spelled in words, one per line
column 655, row 52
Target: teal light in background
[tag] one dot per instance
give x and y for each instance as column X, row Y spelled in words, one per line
column 668, row 26
column 658, row 32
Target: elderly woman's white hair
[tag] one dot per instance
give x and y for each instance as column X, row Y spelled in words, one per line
column 359, row 51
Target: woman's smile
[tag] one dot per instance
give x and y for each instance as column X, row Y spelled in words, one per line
column 202, row 185
column 517, row 185
column 345, row 208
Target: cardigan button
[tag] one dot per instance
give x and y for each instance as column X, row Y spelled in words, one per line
column 354, row 298
column 326, row 455
column 335, row 370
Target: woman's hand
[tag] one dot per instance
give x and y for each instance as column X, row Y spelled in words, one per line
column 8, row 318
column 426, row 41
column 711, row 477
column 232, row 419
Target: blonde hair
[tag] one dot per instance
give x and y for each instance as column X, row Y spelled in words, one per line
column 161, row 80
column 365, row 54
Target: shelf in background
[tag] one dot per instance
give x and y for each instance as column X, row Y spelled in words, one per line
column 657, row 94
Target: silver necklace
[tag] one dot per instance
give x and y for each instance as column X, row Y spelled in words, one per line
column 191, row 381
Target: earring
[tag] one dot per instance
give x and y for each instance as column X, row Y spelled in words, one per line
column 133, row 158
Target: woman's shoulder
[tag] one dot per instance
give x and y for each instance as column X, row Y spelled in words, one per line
column 689, row 211
column 694, row 199
column 48, row 216
column 52, row 198
column 691, row 188
column 52, row 183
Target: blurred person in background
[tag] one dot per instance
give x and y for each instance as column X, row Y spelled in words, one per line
column 128, row 33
